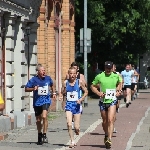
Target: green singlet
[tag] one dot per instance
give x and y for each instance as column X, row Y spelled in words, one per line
column 107, row 82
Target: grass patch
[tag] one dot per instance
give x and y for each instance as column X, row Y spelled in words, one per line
column 52, row 117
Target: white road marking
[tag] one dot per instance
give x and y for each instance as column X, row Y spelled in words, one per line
column 129, row 144
column 90, row 129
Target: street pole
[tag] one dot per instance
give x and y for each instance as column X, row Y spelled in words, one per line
column 28, row 58
column 27, row 31
column 85, row 47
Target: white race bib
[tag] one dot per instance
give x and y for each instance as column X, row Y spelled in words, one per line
column 43, row 90
column 110, row 94
column 72, row 96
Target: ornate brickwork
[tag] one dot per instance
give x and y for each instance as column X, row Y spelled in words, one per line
column 48, row 32
column 56, row 37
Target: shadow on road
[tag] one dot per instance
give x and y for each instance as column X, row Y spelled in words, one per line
column 100, row 146
column 137, row 146
column 61, row 145
column 144, row 92
column 96, row 134
column 27, row 142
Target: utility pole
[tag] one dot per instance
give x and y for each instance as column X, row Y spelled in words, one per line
column 85, row 47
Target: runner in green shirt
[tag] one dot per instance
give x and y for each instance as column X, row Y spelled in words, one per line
column 110, row 89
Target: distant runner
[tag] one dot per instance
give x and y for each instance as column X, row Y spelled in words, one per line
column 127, row 76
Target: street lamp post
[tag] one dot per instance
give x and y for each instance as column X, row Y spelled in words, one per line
column 28, row 29
column 85, row 47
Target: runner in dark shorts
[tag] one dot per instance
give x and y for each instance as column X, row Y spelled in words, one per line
column 40, row 85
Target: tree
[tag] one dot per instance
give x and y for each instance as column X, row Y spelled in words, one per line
column 120, row 28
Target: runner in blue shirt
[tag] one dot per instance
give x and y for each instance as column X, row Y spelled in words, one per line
column 127, row 76
column 40, row 86
column 71, row 88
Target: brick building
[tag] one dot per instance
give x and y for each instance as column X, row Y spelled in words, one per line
column 56, row 41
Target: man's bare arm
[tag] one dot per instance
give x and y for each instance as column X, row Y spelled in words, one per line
column 119, row 86
column 137, row 75
column 83, row 87
column 83, row 79
column 63, row 89
column 95, row 90
column 122, row 79
column 29, row 89
column 121, row 83
column 53, row 89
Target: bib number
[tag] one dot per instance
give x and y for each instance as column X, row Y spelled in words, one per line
column 110, row 94
column 72, row 96
column 43, row 90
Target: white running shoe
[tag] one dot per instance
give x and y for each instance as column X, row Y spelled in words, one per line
column 117, row 110
column 115, row 131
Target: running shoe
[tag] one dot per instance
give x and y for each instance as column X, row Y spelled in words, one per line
column 45, row 139
column 72, row 145
column 40, row 142
column 115, row 131
column 127, row 105
column 117, row 110
column 136, row 95
column 105, row 139
column 108, row 144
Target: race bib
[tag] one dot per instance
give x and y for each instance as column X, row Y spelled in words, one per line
column 72, row 96
column 110, row 94
column 43, row 90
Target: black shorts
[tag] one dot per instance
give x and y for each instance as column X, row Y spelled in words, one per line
column 126, row 86
column 133, row 86
column 39, row 109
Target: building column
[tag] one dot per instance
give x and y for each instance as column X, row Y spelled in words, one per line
column 19, row 75
column 72, row 35
column 65, row 38
column 33, row 57
column 1, row 52
column 9, row 63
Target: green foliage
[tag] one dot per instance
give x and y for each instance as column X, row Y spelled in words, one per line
column 120, row 28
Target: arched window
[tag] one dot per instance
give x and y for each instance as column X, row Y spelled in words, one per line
column 57, row 10
column 71, row 13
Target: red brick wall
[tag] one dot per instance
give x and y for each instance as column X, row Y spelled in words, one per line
column 46, row 39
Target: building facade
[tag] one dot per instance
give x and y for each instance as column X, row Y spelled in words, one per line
column 56, row 40
column 31, row 32
column 18, row 55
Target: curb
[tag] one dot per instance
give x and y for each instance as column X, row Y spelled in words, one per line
column 4, row 134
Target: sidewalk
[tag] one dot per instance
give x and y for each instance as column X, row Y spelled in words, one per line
column 140, row 139
column 132, row 125
column 57, row 132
